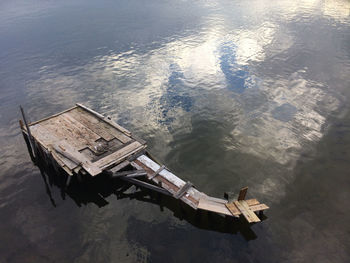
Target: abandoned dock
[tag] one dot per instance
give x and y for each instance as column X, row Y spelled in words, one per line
column 85, row 143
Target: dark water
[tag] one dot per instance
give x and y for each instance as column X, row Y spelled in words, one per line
column 227, row 93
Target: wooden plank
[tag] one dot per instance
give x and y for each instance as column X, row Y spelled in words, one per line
column 91, row 122
column 157, row 172
column 164, row 173
column 146, row 185
column 63, row 131
column 215, row 207
column 248, row 214
column 30, row 137
column 190, row 199
column 119, row 156
column 67, row 160
column 67, row 156
column 108, row 120
column 99, row 126
column 84, row 162
column 233, row 209
column 85, row 131
column 119, row 166
column 218, row 200
column 130, row 173
column 259, row 207
column 242, row 193
column 52, row 116
column 183, row 190
column 252, row 201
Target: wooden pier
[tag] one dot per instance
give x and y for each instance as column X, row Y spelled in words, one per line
column 85, row 143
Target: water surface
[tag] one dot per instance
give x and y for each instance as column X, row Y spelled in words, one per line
column 227, row 94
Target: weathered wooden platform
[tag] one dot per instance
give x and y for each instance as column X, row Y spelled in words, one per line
column 85, row 143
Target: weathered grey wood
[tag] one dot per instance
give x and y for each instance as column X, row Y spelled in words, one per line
column 52, row 116
column 183, row 190
column 242, row 193
column 102, row 128
column 136, row 166
column 26, row 139
column 146, row 185
column 119, row 156
column 31, row 140
column 119, row 166
column 157, row 172
column 67, row 155
column 84, row 162
column 122, row 129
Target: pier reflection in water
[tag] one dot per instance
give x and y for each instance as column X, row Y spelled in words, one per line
column 96, row 189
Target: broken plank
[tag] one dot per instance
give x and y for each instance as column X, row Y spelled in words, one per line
column 146, row 185
column 130, row 173
column 118, row 156
column 84, row 162
column 242, row 193
column 119, row 166
column 70, row 161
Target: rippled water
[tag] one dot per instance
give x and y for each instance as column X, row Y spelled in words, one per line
column 227, row 93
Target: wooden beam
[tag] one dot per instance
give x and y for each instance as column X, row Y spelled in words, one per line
column 31, row 140
column 67, row 155
column 119, row 167
column 146, row 185
column 52, row 116
column 183, row 190
column 157, row 172
column 242, row 193
column 119, row 155
column 130, row 173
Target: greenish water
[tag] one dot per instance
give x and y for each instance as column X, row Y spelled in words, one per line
column 226, row 93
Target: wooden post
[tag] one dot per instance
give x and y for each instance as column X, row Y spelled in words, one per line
column 242, row 193
column 27, row 141
column 31, row 141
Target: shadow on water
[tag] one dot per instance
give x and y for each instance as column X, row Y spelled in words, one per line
column 97, row 189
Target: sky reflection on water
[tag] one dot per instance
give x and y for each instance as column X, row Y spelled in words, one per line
column 227, row 93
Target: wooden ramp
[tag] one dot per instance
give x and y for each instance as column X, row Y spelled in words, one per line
column 86, row 143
